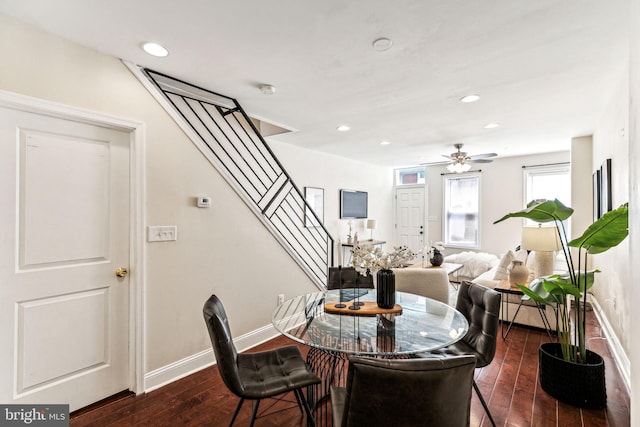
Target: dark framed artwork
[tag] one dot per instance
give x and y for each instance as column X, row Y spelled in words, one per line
column 595, row 187
column 606, row 201
column 315, row 200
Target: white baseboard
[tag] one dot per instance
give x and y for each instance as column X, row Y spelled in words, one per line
column 620, row 357
column 189, row 365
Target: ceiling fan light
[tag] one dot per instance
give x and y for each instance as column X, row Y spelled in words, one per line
column 466, row 167
column 451, row 167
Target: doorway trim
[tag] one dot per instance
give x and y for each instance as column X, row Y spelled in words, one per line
column 137, row 277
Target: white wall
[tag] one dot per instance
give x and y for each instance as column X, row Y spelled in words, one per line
column 502, row 191
column 224, row 250
column 634, row 202
column 612, row 286
column 316, row 169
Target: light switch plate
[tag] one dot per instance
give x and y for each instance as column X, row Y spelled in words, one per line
column 162, row 233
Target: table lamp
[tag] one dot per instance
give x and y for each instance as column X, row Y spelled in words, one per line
column 371, row 224
column 544, row 241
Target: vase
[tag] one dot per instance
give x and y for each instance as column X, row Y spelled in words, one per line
column 437, row 259
column 518, row 273
column 578, row 384
column 386, row 288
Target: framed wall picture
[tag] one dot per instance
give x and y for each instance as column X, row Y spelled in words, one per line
column 606, row 201
column 595, row 187
column 315, row 200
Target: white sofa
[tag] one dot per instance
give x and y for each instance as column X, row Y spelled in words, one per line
column 528, row 314
column 473, row 264
column 428, row 282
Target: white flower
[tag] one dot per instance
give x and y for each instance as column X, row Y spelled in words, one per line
column 432, row 249
column 372, row 259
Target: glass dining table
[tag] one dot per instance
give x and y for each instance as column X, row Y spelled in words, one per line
column 419, row 325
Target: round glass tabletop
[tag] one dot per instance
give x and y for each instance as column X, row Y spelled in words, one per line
column 423, row 325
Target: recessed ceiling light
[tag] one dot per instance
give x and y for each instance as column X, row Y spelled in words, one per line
column 382, row 44
column 267, row 89
column 491, row 125
column 155, row 49
column 470, row 98
column 385, row 143
column 343, row 128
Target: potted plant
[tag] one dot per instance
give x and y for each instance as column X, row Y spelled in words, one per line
column 580, row 379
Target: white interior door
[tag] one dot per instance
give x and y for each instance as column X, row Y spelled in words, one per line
column 410, row 227
column 64, row 314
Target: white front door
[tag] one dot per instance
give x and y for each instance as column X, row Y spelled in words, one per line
column 64, row 313
column 410, row 217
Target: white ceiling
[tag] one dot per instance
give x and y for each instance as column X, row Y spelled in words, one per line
column 544, row 69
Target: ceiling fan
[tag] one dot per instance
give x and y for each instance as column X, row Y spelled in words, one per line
column 461, row 162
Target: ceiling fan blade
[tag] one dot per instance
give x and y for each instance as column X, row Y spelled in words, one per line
column 480, row 161
column 435, row 163
column 482, row 156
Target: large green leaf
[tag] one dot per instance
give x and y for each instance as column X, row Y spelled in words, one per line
column 608, row 231
column 541, row 211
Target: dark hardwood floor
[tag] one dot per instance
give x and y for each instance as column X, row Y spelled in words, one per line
column 509, row 384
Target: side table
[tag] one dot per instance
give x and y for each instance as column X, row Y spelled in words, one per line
column 508, row 292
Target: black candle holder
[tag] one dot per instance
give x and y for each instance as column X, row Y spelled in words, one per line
column 340, row 303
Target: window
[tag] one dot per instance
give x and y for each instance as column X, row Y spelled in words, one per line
column 462, row 211
column 411, row 176
column 547, row 182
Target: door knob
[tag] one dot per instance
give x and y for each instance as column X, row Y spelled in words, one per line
column 122, row 272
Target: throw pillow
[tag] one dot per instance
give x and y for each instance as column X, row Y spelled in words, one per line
column 501, row 269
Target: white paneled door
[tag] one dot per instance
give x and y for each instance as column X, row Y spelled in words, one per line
column 410, row 217
column 64, row 296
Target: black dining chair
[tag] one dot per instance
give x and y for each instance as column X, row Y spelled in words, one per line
column 348, row 277
column 481, row 307
column 260, row 375
column 432, row 391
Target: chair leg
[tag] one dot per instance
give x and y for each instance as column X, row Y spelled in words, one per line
column 235, row 414
column 310, row 421
column 484, row 404
column 254, row 412
column 295, row 393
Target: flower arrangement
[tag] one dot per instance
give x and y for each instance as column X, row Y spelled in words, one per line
column 370, row 259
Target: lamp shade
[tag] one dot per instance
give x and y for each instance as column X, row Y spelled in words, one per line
column 371, row 224
column 540, row 239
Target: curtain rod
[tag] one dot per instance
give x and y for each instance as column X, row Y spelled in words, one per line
column 546, row 164
column 456, row 173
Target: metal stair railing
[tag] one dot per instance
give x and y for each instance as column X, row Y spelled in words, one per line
column 224, row 132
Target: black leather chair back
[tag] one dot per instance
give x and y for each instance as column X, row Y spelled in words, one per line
column 481, row 307
column 348, row 277
column 222, row 342
column 412, row 392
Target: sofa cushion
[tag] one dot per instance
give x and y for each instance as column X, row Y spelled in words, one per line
column 501, row 268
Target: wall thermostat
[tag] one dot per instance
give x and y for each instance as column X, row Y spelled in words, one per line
column 204, row 202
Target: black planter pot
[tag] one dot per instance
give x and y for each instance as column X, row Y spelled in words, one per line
column 577, row 384
column 386, row 288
